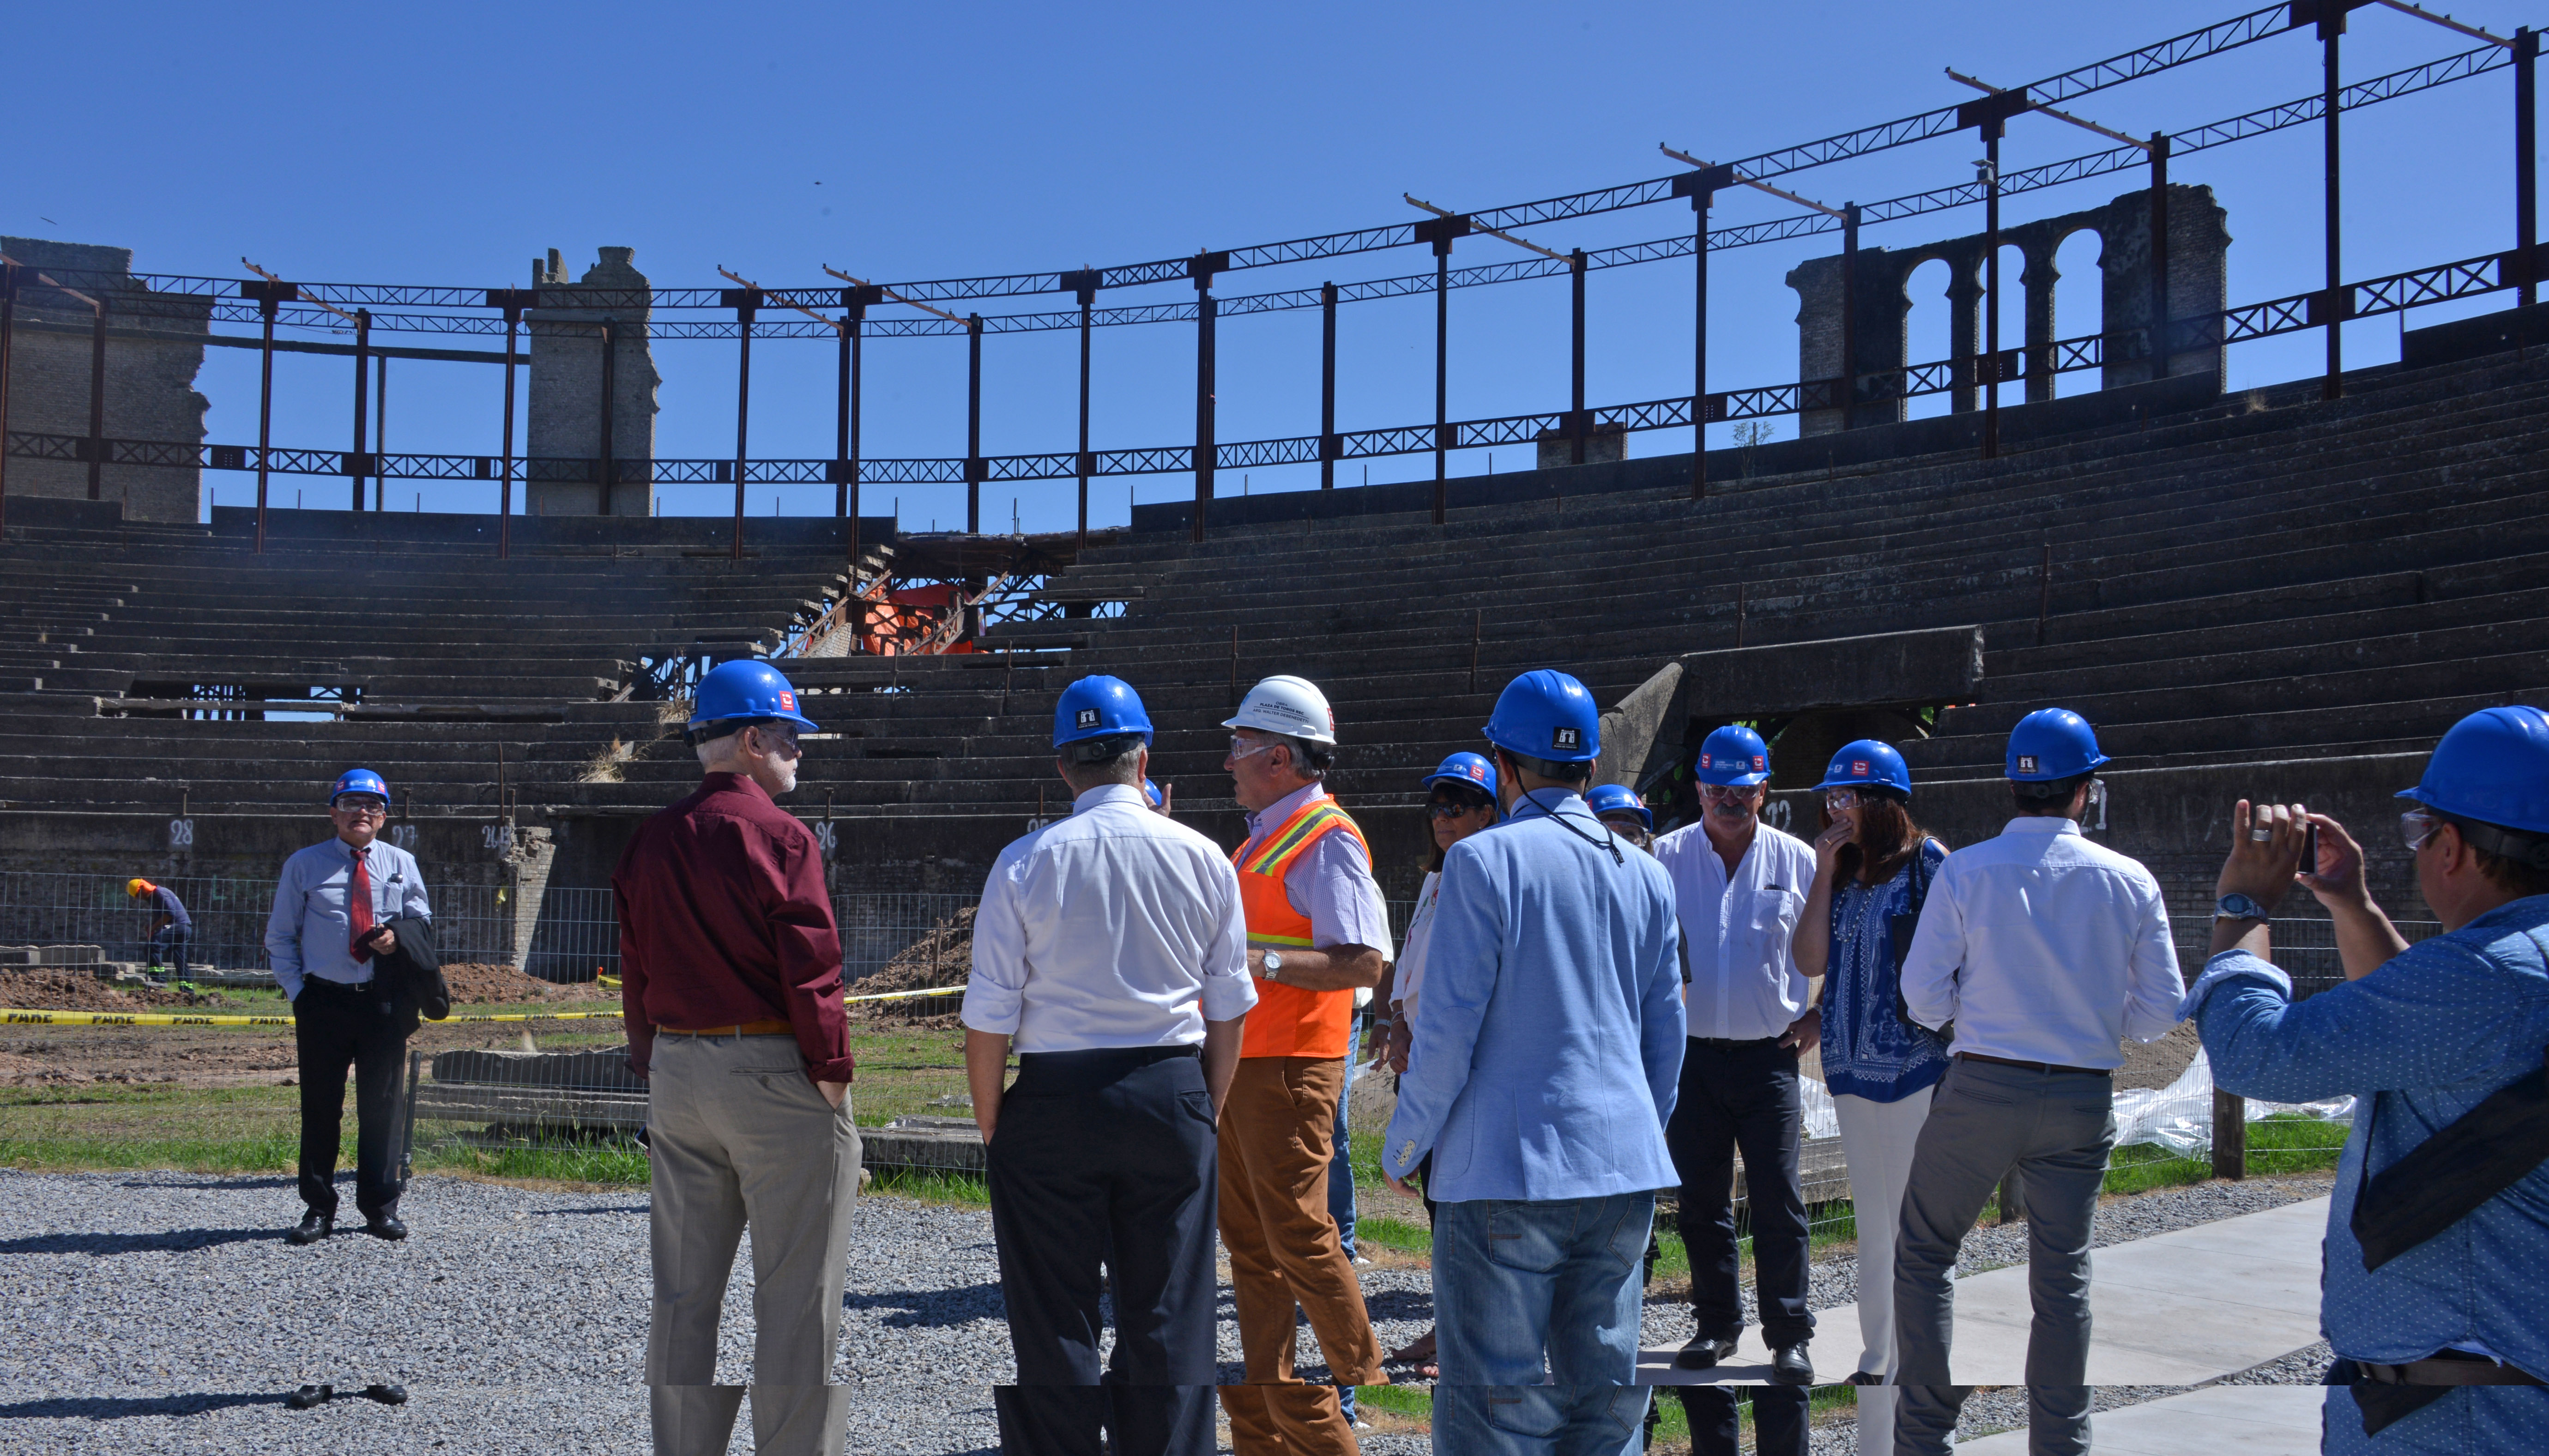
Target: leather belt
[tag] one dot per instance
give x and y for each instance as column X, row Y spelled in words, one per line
column 746, row 1028
column 2002, row 1061
column 1737, row 1040
column 2461, row 1369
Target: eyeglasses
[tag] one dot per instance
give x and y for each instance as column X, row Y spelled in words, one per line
column 779, row 738
column 2416, row 827
column 1438, row 809
column 1242, row 748
column 1839, row 799
column 359, row 806
column 1720, row 792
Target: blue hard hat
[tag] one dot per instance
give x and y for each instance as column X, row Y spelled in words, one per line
column 1547, row 715
column 1734, row 755
column 1469, row 770
column 358, row 781
column 1098, row 707
column 1150, row 791
column 2492, row 767
column 1868, row 763
column 1617, row 797
column 2052, row 743
column 744, row 689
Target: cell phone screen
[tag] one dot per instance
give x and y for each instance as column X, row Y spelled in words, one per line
column 2310, row 852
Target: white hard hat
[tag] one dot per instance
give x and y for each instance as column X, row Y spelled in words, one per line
column 1288, row 706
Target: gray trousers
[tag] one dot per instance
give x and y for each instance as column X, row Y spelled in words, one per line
column 2055, row 1129
column 739, row 1136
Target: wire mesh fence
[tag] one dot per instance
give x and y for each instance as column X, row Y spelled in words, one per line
column 564, row 1101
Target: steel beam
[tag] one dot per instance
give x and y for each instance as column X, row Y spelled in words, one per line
column 745, row 302
column 360, row 465
column 609, row 472
column 97, row 395
column 2526, row 212
column 974, row 471
column 8, row 338
column 1848, row 314
column 1575, row 410
column 2159, row 305
column 1327, row 386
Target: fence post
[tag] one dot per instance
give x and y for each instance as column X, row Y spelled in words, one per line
column 2229, row 1134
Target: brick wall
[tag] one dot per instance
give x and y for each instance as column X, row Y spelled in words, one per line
column 150, row 382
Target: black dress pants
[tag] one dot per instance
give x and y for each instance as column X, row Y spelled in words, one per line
column 1103, row 1176
column 1779, row 1419
column 1742, row 1095
column 335, row 1027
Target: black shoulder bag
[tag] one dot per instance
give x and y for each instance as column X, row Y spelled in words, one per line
column 2444, row 1179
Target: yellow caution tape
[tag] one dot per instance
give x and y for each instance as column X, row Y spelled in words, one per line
column 198, row 1019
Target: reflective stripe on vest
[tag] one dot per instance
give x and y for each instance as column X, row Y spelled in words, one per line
column 1286, row 1020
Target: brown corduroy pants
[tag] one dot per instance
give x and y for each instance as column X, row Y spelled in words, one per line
column 1277, row 1131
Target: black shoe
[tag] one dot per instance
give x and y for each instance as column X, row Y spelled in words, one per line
column 310, row 1396
column 384, row 1225
column 1703, row 1352
column 1789, row 1366
column 387, row 1394
column 314, row 1226
column 1865, row 1377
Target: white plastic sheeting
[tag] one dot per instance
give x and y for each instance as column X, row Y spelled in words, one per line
column 2178, row 1116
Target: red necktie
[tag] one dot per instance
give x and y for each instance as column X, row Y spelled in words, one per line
column 359, row 907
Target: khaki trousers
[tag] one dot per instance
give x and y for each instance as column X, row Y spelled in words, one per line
column 1277, row 1131
column 740, row 1136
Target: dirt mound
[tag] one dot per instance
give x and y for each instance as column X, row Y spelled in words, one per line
column 942, row 957
column 75, row 989
column 476, row 983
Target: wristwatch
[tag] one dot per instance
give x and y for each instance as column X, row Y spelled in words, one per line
column 2239, row 907
column 1270, row 966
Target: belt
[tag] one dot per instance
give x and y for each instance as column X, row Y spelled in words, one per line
column 1737, row 1040
column 2002, row 1061
column 747, row 1029
column 2445, row 1368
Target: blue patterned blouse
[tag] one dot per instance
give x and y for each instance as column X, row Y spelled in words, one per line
column 1867, row 1049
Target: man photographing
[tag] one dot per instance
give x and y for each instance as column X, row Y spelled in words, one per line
column 2438, row 1230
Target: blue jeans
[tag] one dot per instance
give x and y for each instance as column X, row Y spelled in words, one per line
column 1528, row 1291
column 1554, row 1419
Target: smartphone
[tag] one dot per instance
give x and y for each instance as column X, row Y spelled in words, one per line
column 2309, row 851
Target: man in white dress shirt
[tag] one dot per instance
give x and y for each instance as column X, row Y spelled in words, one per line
column 2045, row 951
column 1111, row 951
column 1738, row 886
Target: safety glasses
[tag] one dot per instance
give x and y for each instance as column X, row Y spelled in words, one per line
column 359, row 807
column 1837, row 800
column 1720, row 792
column 1438, row 809
column 1242, row 748
column 779, row 738
column 2416, row 827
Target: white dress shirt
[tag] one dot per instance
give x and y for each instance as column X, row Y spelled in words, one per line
column 1118, row 926
column 2043, row 945
column 1739, row 931
column 1410, row 978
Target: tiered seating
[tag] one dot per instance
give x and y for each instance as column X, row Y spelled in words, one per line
column 441, row 659
column 2267, row 578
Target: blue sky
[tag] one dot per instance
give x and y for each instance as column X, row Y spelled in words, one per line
column 452, row 143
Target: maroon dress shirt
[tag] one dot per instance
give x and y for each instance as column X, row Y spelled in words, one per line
column 723, row 920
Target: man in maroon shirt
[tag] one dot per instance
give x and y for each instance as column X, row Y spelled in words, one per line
column 731, row 990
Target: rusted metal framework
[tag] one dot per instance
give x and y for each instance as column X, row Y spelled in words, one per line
column 271, row 301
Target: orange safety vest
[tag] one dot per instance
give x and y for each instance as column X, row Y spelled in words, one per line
column 1286, row 1020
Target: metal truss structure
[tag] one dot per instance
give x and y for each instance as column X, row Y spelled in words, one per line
column 270, row 303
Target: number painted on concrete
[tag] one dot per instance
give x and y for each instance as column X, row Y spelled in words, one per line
column 181, row 833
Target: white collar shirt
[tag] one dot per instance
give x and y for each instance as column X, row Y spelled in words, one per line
column 1115, row 928
column 1331, row 880
column 2043, row 945
column 1739, row 931
column 311, row 931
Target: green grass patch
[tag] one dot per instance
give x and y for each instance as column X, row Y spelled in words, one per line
column 934, row 1186
column 1412, row 1402
column 1393, row 1233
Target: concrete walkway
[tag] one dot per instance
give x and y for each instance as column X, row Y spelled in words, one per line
column 2175, row 1308
column 2217, row 1420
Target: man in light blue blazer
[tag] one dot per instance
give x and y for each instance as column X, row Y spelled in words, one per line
column 1538, row 1086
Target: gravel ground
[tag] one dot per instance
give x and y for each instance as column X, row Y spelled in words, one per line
column 170, row 1304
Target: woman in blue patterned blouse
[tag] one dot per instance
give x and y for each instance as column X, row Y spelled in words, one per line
column 1872, row 871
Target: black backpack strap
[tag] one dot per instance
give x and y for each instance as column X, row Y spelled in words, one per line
column 2450, row 1175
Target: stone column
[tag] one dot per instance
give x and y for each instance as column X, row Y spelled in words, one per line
column 1965, row 304
column 2198, row 245
column 566, row 392
column 152, row 355
column 2038, row 281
